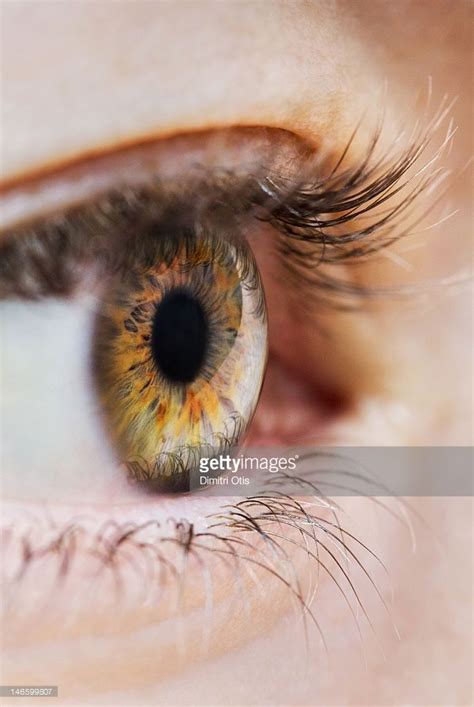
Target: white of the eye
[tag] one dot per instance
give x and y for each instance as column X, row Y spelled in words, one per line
column 53, row 443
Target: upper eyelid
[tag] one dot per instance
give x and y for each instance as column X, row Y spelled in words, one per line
column 242, row 149
column 317, row 192
column 347, row 213
column 289, row 156
column 46, row 257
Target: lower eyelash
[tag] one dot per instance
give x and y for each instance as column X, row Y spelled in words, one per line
column 256, row 536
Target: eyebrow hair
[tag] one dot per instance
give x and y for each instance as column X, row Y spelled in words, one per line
column 320, row 218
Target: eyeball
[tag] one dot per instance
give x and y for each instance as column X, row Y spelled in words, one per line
column 179, row 354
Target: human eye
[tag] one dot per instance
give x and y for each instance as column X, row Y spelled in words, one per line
column 203, row 291
column 157, row 276
column 143, row 321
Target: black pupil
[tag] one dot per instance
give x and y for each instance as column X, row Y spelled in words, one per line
column 179, row 337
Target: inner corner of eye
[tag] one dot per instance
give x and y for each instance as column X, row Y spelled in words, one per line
column 179, row 351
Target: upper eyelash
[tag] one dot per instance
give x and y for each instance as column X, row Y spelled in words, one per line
column 47, row 259
column 354, row 213
column 322, row 219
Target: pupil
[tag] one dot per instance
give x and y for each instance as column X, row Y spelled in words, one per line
column 179, row 337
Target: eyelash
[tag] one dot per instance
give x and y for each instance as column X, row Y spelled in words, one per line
column 308, row 215
column 315, row 210
column 258, row 533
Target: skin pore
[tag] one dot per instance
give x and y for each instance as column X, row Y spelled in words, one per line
column 87, row 80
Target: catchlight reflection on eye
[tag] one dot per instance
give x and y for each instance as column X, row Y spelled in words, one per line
column 179, row 355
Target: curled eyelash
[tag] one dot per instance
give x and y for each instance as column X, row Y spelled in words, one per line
column 352, row 214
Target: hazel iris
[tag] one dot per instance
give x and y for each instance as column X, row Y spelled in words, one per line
column 179, row 354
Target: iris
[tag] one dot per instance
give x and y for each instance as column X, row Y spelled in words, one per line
column 179, row 354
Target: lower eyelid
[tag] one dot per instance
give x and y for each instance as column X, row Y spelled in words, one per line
column 213, row 604
column 75, row 549
column 114, row 607
column 172, row 642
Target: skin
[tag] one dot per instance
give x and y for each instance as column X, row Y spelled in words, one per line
column 310, row 69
